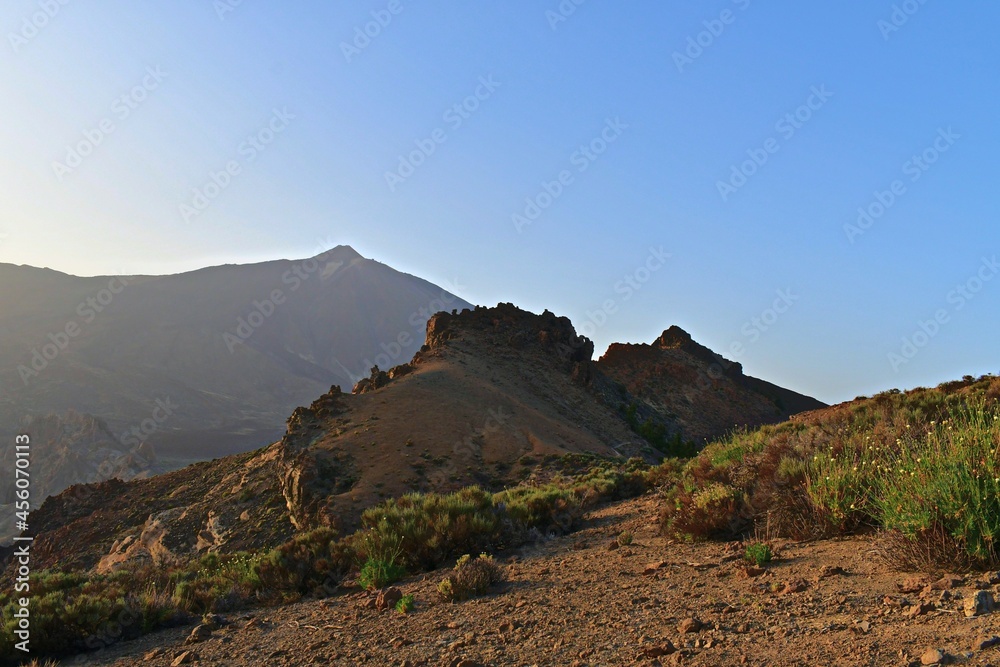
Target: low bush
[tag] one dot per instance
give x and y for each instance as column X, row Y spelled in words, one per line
column 310, row 563
column 937, row 481
column 429, row 528
column 549, row 508
column 470, row 578
column 377, row 573
column 217, row 583
column 95, row 613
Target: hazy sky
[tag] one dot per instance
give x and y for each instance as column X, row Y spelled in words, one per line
column 738, row 137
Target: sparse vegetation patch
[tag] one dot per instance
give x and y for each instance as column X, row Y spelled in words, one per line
column 921, row 466
column 75, row 612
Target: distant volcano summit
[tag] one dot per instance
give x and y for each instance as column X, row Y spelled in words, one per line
column 230, row 350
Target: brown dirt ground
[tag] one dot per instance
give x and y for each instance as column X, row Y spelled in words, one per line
column 573, row 601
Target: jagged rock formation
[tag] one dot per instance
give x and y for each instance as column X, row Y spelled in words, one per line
column 510, row 330
column 698, row 393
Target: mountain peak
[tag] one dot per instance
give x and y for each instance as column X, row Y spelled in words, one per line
column 342, row 253
column 676, row 338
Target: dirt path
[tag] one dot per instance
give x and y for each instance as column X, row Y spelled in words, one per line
column 573, row 601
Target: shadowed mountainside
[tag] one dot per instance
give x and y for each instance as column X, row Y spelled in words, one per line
column 200, row 364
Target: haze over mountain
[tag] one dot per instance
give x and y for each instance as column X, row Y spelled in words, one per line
column 197, row 365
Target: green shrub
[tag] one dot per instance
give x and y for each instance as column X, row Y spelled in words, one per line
column 944, row 477
column 383, row 552
column 758, row 553
column 405, row 604
column 932, row 481
column 624, row 538
column 703, row 513
column 309, row 563
column 427, row 529
column 470, row 578
column 217, row 583
column 550, row 508
column 377, row 573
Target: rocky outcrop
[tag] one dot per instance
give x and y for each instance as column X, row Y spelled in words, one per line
column 676, row 338
column 310, row 475
column 507, row 327
column 149, row 547
column 694, row 391
column 380, row 378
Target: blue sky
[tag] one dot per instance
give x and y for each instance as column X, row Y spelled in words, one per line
column 609, row 130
